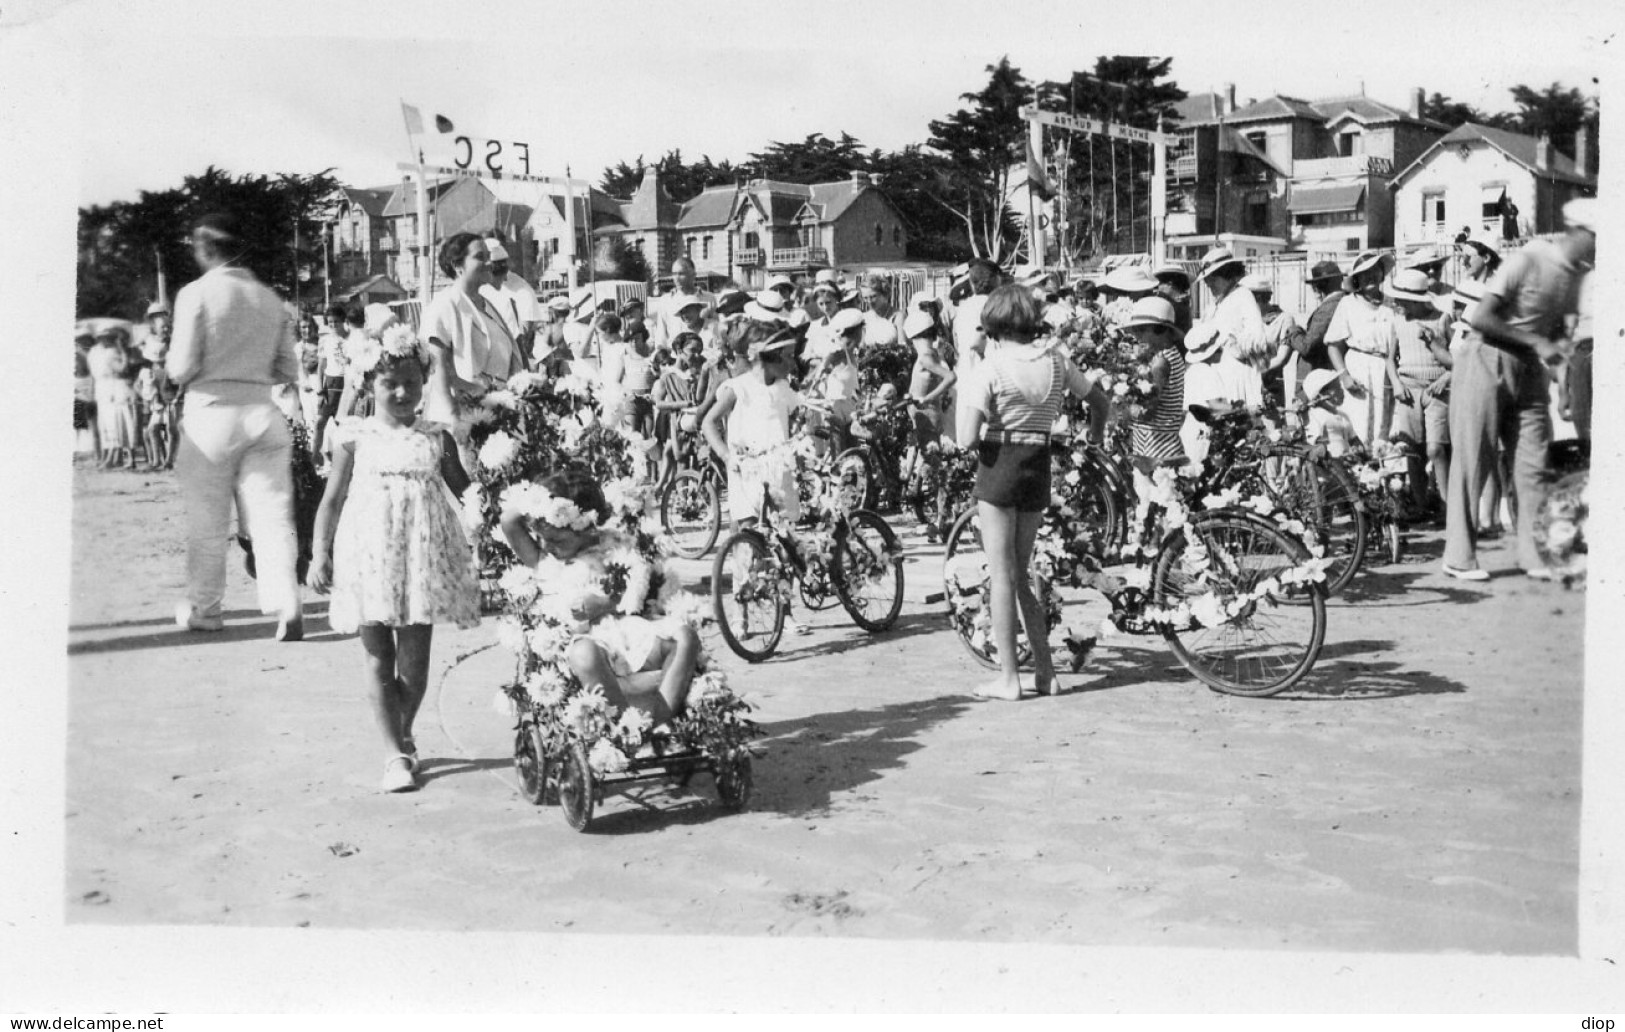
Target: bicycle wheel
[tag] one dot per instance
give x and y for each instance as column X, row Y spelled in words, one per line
column 1098, row 511
column 1394, row 538
column 869, row 584
column 1325, row 495
column 745, row 596
column 852, row 482
column 691, row 512
column 1265, row 648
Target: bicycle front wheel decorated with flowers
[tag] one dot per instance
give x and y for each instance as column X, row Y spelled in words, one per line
column 691, row 512
column 750, row 591
column 868, row 571
column 1326, row 496
column 1218, row 593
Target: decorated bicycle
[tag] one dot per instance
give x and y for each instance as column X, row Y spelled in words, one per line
column 829, row 553
column 1226, row 578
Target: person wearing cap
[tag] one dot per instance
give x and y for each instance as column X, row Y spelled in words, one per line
column 969, row 340
column 1326, row 427
column 1008, row 409
column 785, row 287
column 826, row 298
column 1361, row 335
column 550, row 351
column 668, row 323
column 109, row 359
column 1419, row 374
column 1125, row 285
column 232, row 343
column 1481, row 256
column 330, row 373
column 1501, row 383
column 882, row 322
column 832, row 376
column 1154, row 434
column 930, row 380
column 1326, row 280
column 748, row 427
column 1214, row 374
column 1174, row 284
column 156, row 392
column 1281, row 339
column 514, row 300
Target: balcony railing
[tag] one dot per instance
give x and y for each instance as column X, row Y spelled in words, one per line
column 787, row 257
column 748, row 256
column 1354, row 165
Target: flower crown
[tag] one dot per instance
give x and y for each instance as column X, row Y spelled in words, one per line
column 397, row 342
column 538, row 503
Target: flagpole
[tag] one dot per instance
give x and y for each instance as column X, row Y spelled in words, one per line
column 570, row 232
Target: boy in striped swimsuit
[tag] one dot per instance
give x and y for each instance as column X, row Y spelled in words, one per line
column 1155, row 431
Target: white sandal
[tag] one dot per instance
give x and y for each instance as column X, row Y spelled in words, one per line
column 398, row 774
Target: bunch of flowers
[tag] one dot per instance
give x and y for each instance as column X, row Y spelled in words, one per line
column 1560, row 528
column 520, row 433
column 1383, row 477
column 946, row 469
column 544, row 614
column 397, row 342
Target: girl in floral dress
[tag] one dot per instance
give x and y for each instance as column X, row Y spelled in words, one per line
column 389, row 545
column 554, row 527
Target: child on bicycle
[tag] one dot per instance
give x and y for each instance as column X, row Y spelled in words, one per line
column 676, row 401
column 748, row 427
column 637, row 662
column 1326, row 426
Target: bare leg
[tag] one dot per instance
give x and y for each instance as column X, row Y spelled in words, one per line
column 412, row 674
column 999, row 526
column 1033, row 616
column 384, row 692
column 677, row 668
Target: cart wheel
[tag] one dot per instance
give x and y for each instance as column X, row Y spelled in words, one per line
column 734, row 780
column 576, row 788
column 1395, row 540
column 530, row 761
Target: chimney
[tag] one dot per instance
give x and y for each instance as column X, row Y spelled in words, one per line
column 860, row 179
column 1229, row 98
column 1543, row 152
column 1417, row 98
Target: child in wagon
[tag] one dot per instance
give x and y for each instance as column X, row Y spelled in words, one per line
column 648, row 664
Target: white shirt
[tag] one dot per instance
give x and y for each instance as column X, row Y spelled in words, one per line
column 880, row 332
column 515, row 302
column 968, row 327
column 1240, row 324
column 666, row 324
column 1362, row 326
column 1228, row 379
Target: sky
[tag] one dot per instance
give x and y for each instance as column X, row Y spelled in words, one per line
column 166, row 88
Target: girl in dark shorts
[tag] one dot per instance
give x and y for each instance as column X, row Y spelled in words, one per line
column 1007, row 408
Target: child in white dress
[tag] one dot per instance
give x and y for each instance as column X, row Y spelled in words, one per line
column 389, row 545
column 749, row 426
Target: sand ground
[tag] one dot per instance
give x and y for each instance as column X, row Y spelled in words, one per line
column 1420, row 792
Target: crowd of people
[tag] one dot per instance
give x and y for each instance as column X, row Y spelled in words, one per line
column 1461, row 376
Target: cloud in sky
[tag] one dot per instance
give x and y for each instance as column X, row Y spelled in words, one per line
column 300, row 86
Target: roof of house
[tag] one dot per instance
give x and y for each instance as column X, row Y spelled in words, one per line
column 1199, row 107
column 1233, row 140
column 1369, row 112
column 1274, row 107
column 713, row 207
column 403, row 199
column 1517, row 146
column 379, row 284
column 372, row 200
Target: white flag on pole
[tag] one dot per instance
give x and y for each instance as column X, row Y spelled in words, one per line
column 435, row 140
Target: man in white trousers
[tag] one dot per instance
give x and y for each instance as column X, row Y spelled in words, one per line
column 232, row 343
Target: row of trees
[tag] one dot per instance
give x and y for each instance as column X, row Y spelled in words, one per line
column 954, row 190
column 124, row 246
